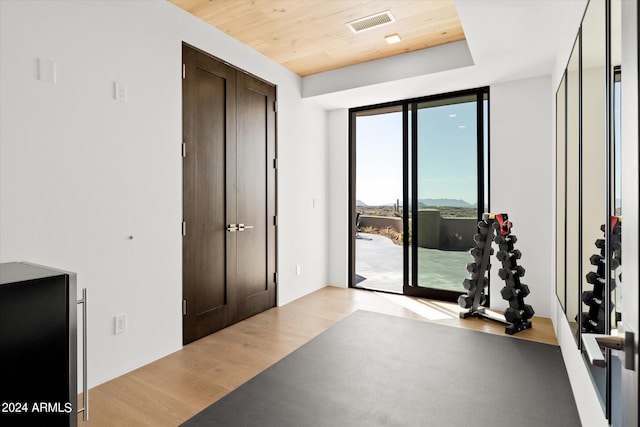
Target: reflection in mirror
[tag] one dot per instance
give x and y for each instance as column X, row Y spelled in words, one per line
column 594, row 192
column 616, row 204
column 560, row 191
column 616, row 172
column 572, row 189
column 593, row 169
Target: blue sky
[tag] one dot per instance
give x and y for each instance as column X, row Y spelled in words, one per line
column 446, row 155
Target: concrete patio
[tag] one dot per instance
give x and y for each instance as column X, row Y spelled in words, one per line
column 379, row 265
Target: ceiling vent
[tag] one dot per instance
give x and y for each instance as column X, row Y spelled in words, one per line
column 372, row 21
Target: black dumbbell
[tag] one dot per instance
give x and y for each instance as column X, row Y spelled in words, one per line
column 511, row 239
column 502, row 255
column 589, row 299
column 504, row 273
column 480, row 239
column 527, row 312
column 600, row 243
column 509, row 292
column 615, row 263
column 512, row 315
column 588, row 324
column 594, row 279
column 476, row 252
column 473, row 268
column 469, row 284
column 596, row 259
column 465, row 301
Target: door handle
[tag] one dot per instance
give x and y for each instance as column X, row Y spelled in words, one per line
column 624, row 342
column 232, row 227
column 242, row 227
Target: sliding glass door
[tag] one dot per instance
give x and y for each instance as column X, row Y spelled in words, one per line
column 446, row 187
column 379, row 191
column 418, row 188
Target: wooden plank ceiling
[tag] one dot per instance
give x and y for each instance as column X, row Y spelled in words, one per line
column 311, row 36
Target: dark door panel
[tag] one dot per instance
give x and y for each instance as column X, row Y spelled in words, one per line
column 228, row 179
column 256, row 188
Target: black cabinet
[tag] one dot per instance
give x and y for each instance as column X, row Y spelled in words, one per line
column 38, row 353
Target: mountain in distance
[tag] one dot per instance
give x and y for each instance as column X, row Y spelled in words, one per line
column 454, row 203
column 422, row 203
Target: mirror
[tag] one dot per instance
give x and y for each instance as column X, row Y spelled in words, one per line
column 594, row 192
column 588, row 189
column 560, row 190
column 593, row 170
column 616, row 169
column 572, row 188
column 615, row 201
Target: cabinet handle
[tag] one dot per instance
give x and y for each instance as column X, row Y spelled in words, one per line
column 242, row 227
column 85, row 382
column 232, row 228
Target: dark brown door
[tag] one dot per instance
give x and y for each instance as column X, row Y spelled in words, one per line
column 228, row 180
column 255, row 196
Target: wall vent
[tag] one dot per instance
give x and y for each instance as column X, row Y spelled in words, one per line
column 372, row 21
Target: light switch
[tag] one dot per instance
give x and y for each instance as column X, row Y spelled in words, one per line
column 119, row 92
column 46, row 71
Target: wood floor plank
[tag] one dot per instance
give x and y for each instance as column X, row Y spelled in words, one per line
column 169, row 391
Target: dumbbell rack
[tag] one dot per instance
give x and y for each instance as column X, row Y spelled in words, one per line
column 517, row 315
column 593, row 320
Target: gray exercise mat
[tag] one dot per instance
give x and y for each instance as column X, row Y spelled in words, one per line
column 373, row 369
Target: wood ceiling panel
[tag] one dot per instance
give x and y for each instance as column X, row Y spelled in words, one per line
column 311, row 36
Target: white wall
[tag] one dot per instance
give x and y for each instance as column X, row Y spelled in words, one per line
column 80, row 172
column 521, row 181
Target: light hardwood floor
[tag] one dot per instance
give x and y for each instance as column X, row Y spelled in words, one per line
column 169, row 391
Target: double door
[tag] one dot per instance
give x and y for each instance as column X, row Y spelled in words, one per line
column 229, row 183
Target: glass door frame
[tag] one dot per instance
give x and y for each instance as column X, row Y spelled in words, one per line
column 410, row 145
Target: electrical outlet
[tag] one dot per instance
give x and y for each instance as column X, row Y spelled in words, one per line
column 119, row 324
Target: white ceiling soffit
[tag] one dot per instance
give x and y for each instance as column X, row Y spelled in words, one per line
column 505, row 40
column 421, row 62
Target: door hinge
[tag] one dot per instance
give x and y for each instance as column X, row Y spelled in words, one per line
column 275, row 163
column 275, row 106
column 184, row 307
column 275, row 220
column 275, row 277
column 184, row 71
column 184, row 149
column 184, row 228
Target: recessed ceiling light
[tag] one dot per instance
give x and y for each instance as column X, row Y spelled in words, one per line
column 392, row 38
column 452, row 115
column 462, row 126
